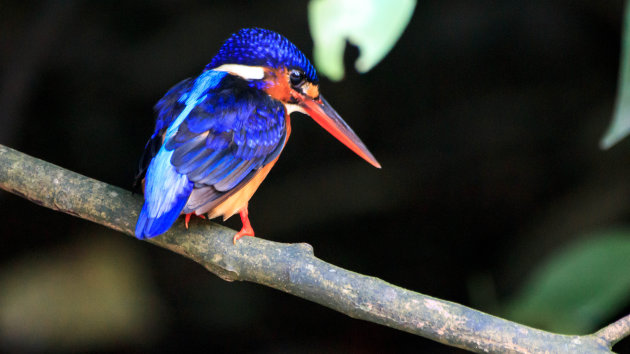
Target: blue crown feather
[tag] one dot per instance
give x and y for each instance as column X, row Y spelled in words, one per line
column 257, row 46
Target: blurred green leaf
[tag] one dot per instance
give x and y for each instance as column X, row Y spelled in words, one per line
column 579, row 287
column 620, row 126
column 372, row 25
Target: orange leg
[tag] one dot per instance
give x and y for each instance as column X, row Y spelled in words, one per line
column 188, row 218
column 247, row 229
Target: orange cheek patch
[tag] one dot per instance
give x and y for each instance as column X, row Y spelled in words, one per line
column 278, row 84
column 312, row 90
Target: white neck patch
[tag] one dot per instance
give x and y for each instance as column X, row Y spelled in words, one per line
column 244, row 71
column 291, row 107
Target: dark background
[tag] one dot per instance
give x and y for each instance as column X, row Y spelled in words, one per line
column 486, row 117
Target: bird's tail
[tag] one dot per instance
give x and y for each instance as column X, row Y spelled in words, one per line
column 149, row 226
column 166, row 193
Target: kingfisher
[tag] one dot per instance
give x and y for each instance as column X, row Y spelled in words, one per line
column 217, row 136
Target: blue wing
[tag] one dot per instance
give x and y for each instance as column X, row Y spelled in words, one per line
column 167, row 109
column 217, row 132
column 167, row 191
column 228, row 136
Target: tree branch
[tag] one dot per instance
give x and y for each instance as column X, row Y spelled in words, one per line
column 293, row 268
column 615, row 331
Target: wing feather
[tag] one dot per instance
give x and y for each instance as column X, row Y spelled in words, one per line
column 230, row 134
column 167, row 190
column 167, row 109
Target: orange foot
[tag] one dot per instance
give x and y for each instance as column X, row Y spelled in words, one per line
column 247, row 229
column 187, row 219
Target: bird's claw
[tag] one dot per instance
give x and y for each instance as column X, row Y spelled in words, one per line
column 247, row 229
column 187, row 219
column 244, row 232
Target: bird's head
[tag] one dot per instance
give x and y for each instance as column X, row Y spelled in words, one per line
column 272, row 63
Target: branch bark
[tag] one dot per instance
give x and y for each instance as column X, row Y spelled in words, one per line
column 293, row 268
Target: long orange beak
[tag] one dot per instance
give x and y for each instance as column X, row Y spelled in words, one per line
column 329, row 119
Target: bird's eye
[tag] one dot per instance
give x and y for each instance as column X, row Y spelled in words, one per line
column 297, row 78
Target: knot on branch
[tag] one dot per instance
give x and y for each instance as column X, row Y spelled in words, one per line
column 224, row 273
column 302, row 248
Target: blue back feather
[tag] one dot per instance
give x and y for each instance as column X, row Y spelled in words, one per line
column 235, row 129
column 167, row 191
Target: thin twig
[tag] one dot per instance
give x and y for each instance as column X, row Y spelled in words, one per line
column 615, row 331
column 292, row 268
